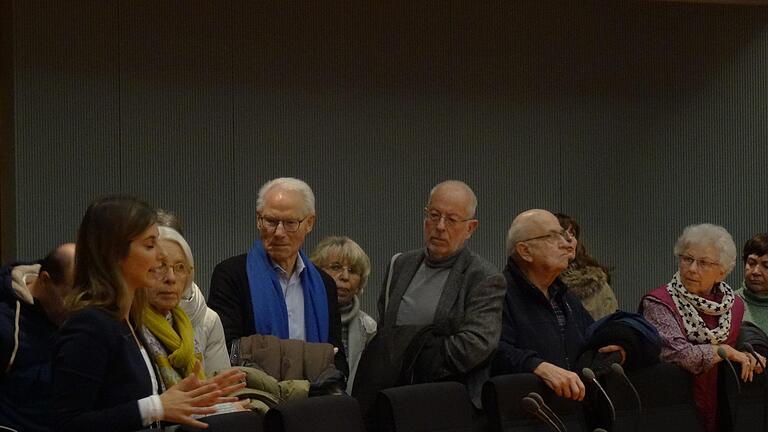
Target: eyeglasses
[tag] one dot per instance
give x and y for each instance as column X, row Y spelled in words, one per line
column 688, row 261
column 562, row 234
column 434, row 216
column 289, row 225
column 179, row 269
column 338, row 268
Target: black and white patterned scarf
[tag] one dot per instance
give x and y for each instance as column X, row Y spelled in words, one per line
column 689, row 305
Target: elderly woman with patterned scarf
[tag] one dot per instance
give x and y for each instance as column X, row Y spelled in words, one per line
column 698, row 314
column 176, row 342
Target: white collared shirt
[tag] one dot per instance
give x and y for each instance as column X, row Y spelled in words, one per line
column 293, row 293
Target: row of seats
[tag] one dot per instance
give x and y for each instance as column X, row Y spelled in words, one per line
column 664, row 391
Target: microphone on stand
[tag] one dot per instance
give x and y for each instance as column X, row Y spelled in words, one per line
column 751, row 350
column 724, row 356
column 590, row 375
column 540, row 400
column 616, row 368
column 530, row 405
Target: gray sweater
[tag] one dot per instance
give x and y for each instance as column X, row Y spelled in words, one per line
column 469, row 309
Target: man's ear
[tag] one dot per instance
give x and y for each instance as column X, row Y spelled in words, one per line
column 472, row 226
column 310, row 223
column 524, row 251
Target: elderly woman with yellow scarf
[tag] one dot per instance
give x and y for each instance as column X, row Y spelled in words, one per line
column 175, row 342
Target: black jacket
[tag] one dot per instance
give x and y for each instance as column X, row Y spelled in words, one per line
column 26, row 390
column 99, row 374
column 530, row 333
column 230, row 297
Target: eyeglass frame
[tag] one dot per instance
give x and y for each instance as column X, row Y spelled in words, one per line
column 349, row 269
column 260, row 221
column 688, row 261
column 446, row 220
column 163, row 269
column 563, row 233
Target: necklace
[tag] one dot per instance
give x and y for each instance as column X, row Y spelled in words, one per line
column 133, row 333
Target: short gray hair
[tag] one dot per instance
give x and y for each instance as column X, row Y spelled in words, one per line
column 170, row 234
column 514, row 235
column 472, row 208
column 707, row 234
column 291, row 184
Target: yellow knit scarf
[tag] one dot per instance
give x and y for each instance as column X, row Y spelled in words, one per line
column 178, row 339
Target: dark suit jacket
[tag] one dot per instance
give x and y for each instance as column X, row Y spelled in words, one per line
column 99, row 374
column 230, row 297
column 469, row 309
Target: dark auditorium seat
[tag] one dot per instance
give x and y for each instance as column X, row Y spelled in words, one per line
column 431, row 407
column 665, row 392
column 501, row 401
column 249, row 421
column 315, row 414
column 748, row 410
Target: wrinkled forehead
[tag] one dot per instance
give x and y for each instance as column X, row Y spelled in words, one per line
column 702, row 250
column 281, row 202
column 542, row 223
column 760, row 258
column 173, row 251
column 450, row 201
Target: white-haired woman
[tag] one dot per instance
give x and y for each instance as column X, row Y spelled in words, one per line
column 697, row 314
column 179, row 328
column 349, row 266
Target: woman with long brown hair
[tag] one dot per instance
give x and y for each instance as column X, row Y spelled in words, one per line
column 103, row 378
column 586, row 278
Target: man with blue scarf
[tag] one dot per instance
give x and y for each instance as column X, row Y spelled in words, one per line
column 275, row 289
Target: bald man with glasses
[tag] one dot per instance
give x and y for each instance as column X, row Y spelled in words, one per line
column 543, row 325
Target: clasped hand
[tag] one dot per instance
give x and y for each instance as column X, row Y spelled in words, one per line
column 749, row 364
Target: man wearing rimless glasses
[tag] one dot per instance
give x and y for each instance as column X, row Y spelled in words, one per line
column 447, row 286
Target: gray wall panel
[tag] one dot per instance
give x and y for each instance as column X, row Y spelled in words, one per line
column 637, row 118
column 176, row 116
column 67, row 119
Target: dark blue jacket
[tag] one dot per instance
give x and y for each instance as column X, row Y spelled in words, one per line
column 99, row 374
column 26, row 388
column 530, row 333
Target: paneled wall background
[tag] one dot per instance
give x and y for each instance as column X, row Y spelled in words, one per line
column 637, row 118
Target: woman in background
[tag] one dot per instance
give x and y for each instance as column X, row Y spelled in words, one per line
column 348, row 264
column 587, row 279
column 103, row 378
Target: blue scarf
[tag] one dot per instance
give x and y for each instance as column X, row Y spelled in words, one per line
column 270, row 314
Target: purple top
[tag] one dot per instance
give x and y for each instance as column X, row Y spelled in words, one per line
column 675, row 346
column 660, row 310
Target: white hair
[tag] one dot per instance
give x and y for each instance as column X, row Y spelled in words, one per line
column 291, row 184
column 514, row 235
column 709, row 235
column 171, row 234
column 471, row 207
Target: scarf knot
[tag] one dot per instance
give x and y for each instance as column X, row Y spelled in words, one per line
column 690, row 305
column 178, row 339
